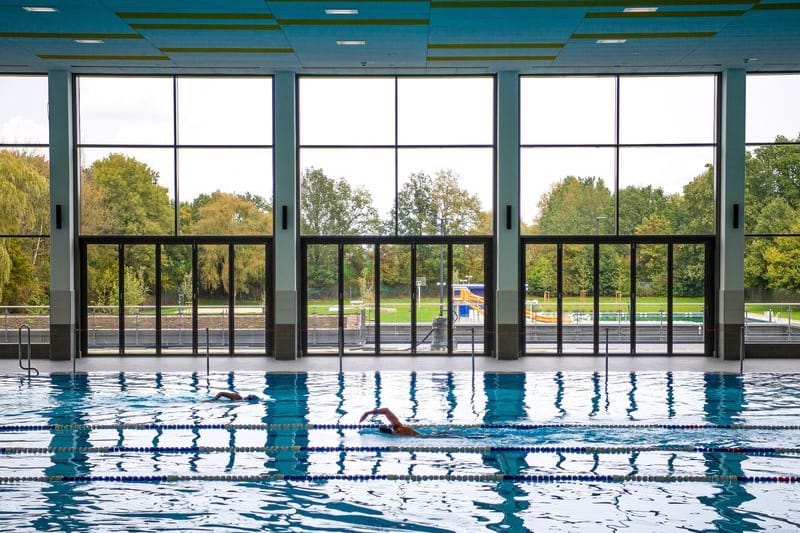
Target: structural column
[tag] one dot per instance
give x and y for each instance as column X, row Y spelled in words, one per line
column 62, row 220
column 731, row 220
column 286, row 225
column 507, row 217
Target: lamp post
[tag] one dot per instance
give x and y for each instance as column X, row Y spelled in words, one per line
column 441, row 272
column 597, row 220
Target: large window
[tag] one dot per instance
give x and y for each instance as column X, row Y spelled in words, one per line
column 24, row 207
column 175, row 156
column 772, row 209
column 176, row 159
column 611, row 155
column 396, row 156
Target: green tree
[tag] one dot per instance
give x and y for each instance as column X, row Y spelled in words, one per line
column 24, row 210
column 636, row 204
column 576, row 206
column 436, row 205
column 333, row 207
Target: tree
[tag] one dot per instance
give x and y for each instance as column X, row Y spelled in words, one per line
column 637, row 204
column 333, row 207
column 425, row 203
column 121, row 196
column 575, row 206
column 24, row 210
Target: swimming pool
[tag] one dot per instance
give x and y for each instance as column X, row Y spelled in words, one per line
column 646, row 451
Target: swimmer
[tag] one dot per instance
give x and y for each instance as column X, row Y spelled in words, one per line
column 396, row 427
column 234, row 397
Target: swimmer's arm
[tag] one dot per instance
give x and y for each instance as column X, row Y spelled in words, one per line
column 385, row 411
column 232, row 396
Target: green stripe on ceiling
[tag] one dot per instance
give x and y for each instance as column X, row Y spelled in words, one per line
column 779, row 5
column 53, row 35
column 465, row 46
column 226, row 27
column 103, row 57
column 491, row 58
column 653, row 35
column 227, row 50
column 580, row 3
column 664, row 14
column 196, row 16
column 353, row 22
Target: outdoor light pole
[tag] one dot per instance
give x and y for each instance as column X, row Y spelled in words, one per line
column 441, row 273
column 597, row 220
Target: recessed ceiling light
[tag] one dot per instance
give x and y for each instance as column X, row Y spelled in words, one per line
column 611, row 41
column 341, row 11
column 39, row 9
column 351, row 43
column 89, row 41
column 640, row 10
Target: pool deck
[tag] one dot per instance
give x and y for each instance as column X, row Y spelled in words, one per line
column 365, row 363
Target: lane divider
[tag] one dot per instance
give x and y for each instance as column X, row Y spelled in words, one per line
column 755, row 451
column 147, row 426
column 479, row 478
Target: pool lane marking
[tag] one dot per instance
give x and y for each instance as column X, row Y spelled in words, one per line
column 480, row 478
column 747, row 450
column 161, row 427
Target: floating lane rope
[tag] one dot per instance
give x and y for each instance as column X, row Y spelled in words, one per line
column 755, row 451
column 477, row 478
column 295, row 427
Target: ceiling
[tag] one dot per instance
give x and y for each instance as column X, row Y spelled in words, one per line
column 407, row 36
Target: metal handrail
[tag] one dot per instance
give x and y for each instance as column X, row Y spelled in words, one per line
column 29, row 367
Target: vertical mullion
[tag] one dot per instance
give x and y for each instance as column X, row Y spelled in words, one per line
column 596, row 299
column 84, row 292
column 522, row 268
column 670, row 287
column 177, row 222
column 303, row 296
column 231, row 299
column 158, row 298
column 450, row 298
column 268, row 327
column 396, row 168
column 377, row 291
column 340, row 267
column 121, row 303
column 710, row 307
column 559, row 299
column 632, row 310
column 195, row 344
column 489, row 286
column 413, row 283
column 616, row 156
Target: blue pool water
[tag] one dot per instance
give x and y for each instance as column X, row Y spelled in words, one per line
column 558, row 439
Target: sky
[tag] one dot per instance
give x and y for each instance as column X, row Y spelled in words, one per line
column 432, row 111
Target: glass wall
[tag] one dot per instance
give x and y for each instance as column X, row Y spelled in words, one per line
column 617, row 155
column 396, row 156
column 772, row 208
column 24, row 208
column 179, row 157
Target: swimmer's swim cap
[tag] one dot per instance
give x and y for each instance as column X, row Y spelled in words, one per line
column 385, row 429
column 252, row 398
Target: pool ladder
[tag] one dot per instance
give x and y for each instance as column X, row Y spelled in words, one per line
column 29, row 367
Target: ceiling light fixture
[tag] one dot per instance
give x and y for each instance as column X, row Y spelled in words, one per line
column 341, row 11
column 640, row 10
column 351, row 43
column 611, row 41
column 89, row 41
column 39, row 9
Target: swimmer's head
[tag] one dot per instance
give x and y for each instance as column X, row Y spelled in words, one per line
column 385, row 429
column 252, row 398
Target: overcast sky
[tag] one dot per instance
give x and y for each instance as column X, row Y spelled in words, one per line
column 431, row 111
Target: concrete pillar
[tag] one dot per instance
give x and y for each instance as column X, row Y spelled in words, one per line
column 62, row 239
column 731, row 198
column 507, row 202
column 286, row 239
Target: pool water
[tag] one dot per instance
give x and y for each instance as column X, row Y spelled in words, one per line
column 579, row 452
